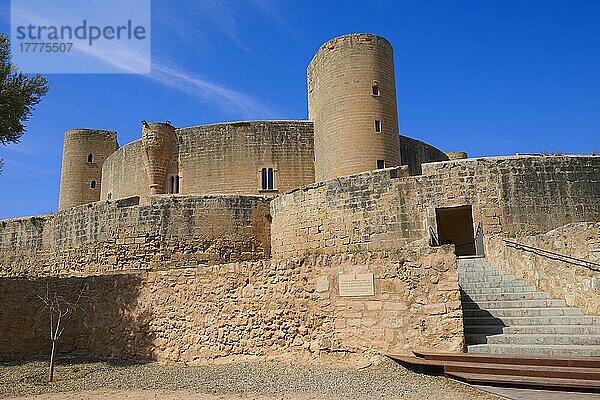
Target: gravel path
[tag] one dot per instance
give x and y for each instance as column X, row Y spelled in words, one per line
column 256, row 380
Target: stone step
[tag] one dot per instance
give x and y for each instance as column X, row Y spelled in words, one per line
column 505, row 296
column 480, row 272
column 490, row 281
column 525, row 312
column 526, row 303
column 491, row 290
column 546, row 320
column 485, row 329
column 552, row 329
column 529, row 350
column 544, row 339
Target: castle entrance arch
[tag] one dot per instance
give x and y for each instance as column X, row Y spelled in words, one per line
column 455, row 225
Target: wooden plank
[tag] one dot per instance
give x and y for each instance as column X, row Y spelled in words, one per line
column 582, row 362
column 524, row 370
column 505, row 369
column 528, row 381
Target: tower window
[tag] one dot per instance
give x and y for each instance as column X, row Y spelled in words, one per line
column 377, row 126
column 90, row 158
column 375, row 89
column 380, row 164
column 174, row 184
column 93, row 185
column 267, row 178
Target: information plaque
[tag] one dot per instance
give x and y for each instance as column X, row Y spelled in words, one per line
column 351, row 285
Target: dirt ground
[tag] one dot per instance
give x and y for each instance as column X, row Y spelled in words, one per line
column 262, row 380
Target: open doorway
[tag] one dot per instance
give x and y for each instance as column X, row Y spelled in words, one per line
column 455, row 225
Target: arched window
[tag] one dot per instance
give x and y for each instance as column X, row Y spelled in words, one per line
column 93, row 185
column 267, row 179
column 90, row 158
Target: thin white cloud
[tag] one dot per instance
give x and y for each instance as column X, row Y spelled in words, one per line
column 21, row 169
column 128, row 60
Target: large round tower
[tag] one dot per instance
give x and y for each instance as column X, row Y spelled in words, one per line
column 84, row 153
column 352, row 103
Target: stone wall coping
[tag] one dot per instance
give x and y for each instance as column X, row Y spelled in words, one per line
column 28, row 218
column 251, row 122
column 154, row 199
column 392, row 171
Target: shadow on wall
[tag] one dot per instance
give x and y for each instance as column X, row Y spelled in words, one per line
column 113, row 325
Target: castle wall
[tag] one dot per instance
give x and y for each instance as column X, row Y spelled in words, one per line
column 260, row 308
column 169, row 232
column 81, row 177
column 222, row 158
column 344, row 109
column 414, row 152
column 578, row 284
column 384, row 209
column 123, row 173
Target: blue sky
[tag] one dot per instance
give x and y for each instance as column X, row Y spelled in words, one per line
column 486, row 77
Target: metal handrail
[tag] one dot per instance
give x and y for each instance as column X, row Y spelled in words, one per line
column 555, row 256
column 479, row 242
column 433, row 239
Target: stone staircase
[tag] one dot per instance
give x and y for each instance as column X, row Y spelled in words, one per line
column 503, row 315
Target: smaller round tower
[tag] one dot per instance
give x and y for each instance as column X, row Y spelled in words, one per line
column 158, row 141
column 84, row 153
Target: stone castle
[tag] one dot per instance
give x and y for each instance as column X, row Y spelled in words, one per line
column 260, row 238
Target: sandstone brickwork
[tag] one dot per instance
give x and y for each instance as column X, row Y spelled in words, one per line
column 384, row 209
column 84, row 153
column 562, row 277
column 342, row 78
column 169, row 232
column 415, row 152
column 224, row 158
column 257, row 308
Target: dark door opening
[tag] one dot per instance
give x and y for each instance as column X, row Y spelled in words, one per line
column 455, row 225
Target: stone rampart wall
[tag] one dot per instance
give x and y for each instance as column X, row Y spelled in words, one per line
column 258, row 308
column 109, row 236
column 386, row 208
column 562, row 277
column 414, row 152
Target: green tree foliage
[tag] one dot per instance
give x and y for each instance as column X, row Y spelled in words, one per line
column 19, row 93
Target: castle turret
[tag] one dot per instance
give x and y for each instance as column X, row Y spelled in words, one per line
column 84, row 153
column 352, row 102
column 158, row 141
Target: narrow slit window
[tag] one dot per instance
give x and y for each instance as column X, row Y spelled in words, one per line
column 93, row 185
column 378, row 126
column 264, row 179
column 270, row 179
column 90, row 158
column 375, row 89
column 380, row 164
column 174, row 184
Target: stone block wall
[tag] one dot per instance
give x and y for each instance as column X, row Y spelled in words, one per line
column 123, row 174
column 257, row 308
column 171, row 231
column 414, row 152
column 386, row 208
column 579, row 285
column 224, row 158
